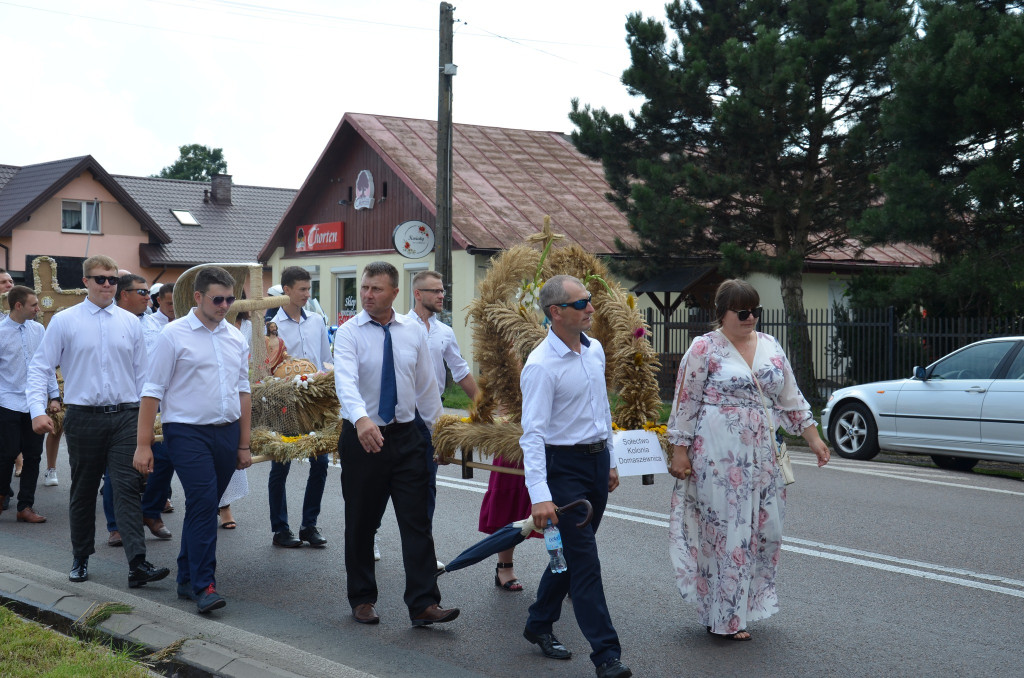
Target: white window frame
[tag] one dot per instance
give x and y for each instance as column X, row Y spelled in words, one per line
column 83, row 205
column 410, row 272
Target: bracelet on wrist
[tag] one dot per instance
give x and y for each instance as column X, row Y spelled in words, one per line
column 243, row 448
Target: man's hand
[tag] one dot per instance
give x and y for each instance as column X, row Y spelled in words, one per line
column 143, row 459
column 42, row 424
column 244, row 459
column 54, row 406
column 542, row 513
column 369, row 435
column 613, row 479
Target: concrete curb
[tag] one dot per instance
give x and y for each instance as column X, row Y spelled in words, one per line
column 38, row 594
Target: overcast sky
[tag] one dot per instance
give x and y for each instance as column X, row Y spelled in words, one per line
column 128, row 81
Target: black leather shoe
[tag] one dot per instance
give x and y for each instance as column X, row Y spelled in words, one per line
column 144, row 572
column 435, row 614
column 313, row 536
column 285, row 539
column 79, row 570
column 549, row 645
column 613, row 668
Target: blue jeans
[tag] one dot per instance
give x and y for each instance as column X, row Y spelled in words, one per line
column 310, row 503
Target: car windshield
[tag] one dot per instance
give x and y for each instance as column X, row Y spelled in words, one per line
column 974, row 362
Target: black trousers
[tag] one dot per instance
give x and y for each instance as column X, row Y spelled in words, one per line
column 17, row 437
column 96, row 442
column 367, row 482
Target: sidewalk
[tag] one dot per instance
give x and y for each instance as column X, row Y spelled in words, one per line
column 207, row 646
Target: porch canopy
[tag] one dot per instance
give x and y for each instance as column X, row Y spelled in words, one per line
column 697, row 283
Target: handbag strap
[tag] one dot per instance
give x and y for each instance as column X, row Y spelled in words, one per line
column 767, row 412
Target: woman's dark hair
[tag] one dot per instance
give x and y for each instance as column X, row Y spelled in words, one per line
column 734, row 295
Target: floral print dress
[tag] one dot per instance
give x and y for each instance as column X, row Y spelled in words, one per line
column 725, row 527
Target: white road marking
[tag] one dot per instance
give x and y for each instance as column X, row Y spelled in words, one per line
column 842, row 554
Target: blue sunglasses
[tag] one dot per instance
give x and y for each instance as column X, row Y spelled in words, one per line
column 579, row 304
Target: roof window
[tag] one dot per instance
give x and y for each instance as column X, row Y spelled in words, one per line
column 185, row 218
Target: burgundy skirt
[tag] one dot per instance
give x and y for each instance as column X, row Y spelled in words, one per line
column 506, row 500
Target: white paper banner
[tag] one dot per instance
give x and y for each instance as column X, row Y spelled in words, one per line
column 638, row 453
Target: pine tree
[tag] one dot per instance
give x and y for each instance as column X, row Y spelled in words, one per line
column 756, row 138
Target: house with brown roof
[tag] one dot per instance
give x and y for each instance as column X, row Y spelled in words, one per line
column 375, row 179
column 73, row 208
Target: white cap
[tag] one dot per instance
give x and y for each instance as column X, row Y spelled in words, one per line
column 275, row 291
column 155, row 289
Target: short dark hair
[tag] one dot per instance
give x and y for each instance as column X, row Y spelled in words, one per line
column 213, row 275
column 165, row 289
column 18, row 294
column 735, row 295
column 292, row 275
column 375, row 268
column 126, row 281
column 423, row 275
column 553, row 292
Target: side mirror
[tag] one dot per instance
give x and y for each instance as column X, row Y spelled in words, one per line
column 921, row 373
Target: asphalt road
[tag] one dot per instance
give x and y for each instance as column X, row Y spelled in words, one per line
column 887, row 571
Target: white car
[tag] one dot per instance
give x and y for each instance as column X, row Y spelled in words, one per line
column 964, row 407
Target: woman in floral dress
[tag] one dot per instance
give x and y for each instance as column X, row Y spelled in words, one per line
column 725, row 528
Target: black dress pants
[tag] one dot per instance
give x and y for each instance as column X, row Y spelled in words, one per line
column 17, row 437
column 367, row 482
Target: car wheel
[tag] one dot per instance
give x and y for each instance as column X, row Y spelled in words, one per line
column 853, row 432
column 954, row 463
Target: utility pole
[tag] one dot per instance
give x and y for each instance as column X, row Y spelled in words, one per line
column 443, row 226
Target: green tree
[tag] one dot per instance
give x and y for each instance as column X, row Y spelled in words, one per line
column 196, row 163
column 955, row 180
column 756, row 138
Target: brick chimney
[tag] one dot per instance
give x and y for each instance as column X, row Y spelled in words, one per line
column 221, row 189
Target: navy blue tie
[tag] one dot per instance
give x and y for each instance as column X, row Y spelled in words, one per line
column 388, row 386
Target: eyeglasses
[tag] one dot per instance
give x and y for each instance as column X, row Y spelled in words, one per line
column 217, row 301
column 439, row 290
column 746, row 313
column 142, row 292
column 108, row 279
column 579, row 304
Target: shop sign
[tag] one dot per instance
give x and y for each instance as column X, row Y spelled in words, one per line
column 313, row 237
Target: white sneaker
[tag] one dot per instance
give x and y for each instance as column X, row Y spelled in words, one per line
column 50, row 478
column 376, row 549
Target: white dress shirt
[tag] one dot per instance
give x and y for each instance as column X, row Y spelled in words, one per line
column 306, row 338
column 197, row 373
column 443, row 349
column 100, row 351
column 565, row 402
column 358, row 355
column 18, row 343
column 152, row 324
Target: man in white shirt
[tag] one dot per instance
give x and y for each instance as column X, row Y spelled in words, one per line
column 428, row 291
column 304, row 336
column 199, row 377
column 100, row 351
column 20, row 336
column 156, row 500
column 566, row 442
column 383, row 374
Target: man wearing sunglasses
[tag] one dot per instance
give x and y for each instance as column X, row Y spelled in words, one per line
column 304, row 336
column 200, row 379
column 567, row 435
column 100, row 351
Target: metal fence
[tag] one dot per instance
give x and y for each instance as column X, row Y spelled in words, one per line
column 848, row 347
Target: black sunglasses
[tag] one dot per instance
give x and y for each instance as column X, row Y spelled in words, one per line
column 217, row 301
column 579, row 304
column 141, row 292
column 746, row 313
column 109, row 279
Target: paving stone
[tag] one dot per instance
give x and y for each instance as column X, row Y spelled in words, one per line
column 206, row 655
column 41, row 595
column 154, row 635
column 250, row 668
column 73, row 606
column 12, row 583
column 122, row 624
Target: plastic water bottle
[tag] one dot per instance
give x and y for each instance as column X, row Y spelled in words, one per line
column 553, row 542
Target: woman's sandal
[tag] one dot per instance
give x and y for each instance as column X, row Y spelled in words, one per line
column 732, row 636
column 511, row 584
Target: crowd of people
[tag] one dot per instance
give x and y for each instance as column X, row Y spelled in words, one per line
column 121, row 363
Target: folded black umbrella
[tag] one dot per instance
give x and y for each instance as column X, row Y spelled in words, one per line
column 509, row 536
